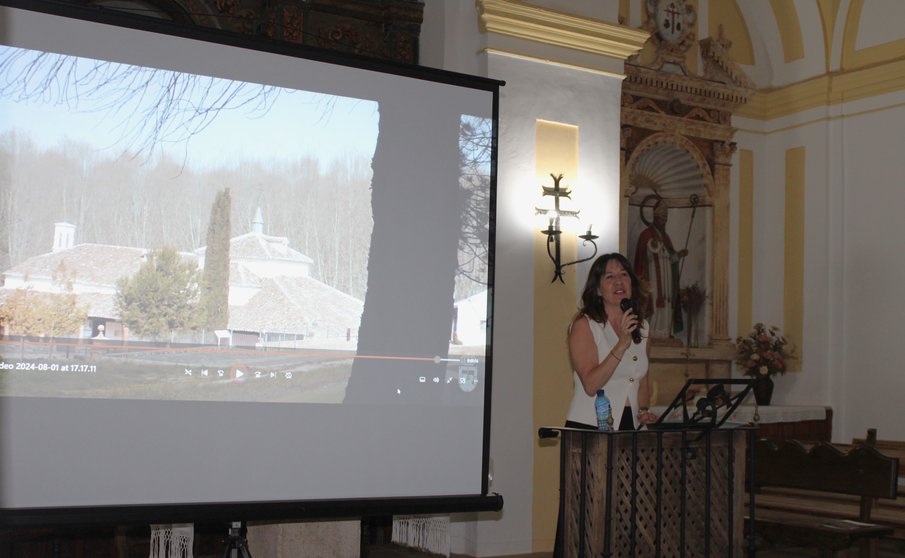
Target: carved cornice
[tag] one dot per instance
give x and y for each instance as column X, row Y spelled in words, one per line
column 515, row 19
column 664, row 123
column 690, row 90
column 718, row 63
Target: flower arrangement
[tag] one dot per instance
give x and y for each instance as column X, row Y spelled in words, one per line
column 692, row 298
column 763, row 352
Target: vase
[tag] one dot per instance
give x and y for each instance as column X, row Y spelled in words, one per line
column 691, row 339
column 763, row 390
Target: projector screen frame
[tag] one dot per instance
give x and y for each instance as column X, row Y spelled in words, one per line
column 291, row 509
column 277, row 511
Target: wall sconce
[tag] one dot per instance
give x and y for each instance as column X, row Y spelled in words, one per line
column 553, row 230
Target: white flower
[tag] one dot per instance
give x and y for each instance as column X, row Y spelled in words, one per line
column 763, row 370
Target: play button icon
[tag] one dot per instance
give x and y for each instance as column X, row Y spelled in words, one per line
column 238, row 373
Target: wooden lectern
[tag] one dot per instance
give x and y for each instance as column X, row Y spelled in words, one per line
column 676, row 492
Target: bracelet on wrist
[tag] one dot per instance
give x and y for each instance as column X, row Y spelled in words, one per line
column 614, row 356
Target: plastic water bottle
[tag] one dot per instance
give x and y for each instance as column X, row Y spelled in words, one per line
column 602, row 406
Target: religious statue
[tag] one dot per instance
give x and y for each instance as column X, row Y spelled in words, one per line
column 657, row 263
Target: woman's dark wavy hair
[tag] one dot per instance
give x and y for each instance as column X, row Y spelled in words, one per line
column 591, row 302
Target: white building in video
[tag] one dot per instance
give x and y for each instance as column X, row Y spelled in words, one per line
column 273, row 300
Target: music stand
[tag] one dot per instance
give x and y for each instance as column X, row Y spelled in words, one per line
column 706, row 408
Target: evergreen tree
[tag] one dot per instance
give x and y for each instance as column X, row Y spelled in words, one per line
column 215, row 281
column 161, row 297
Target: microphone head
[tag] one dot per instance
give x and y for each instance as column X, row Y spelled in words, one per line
column 627, row 304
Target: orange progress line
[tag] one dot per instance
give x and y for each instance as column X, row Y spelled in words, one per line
column 217, row 350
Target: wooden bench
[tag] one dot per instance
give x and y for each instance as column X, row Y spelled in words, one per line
column 801, row 477
column 889, row 512
column 884, row 511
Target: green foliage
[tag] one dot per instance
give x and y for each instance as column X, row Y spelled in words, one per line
column 161, row 297
column 215, row 281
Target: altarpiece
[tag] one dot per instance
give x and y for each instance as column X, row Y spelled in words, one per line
column 676, row 158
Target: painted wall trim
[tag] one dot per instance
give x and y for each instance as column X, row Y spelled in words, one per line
column 556, row 151
column 826, row 90
column 548, row 61
column 809, row 122
column 745, row 241
column 793, row 254
column 515, row 19
column 789, row 30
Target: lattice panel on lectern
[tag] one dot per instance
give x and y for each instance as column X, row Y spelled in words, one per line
column 659, row 485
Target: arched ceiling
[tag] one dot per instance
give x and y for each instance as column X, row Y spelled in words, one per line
column 794, row 41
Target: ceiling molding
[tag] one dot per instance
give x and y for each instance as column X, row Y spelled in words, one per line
column 551, row 62
column 515, row 19
column 824, row 91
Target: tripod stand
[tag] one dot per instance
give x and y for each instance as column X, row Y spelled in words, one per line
column 236, row 543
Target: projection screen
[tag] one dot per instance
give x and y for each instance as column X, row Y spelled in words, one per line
column 237, row 272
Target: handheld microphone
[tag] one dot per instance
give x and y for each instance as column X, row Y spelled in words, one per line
column 627, row 304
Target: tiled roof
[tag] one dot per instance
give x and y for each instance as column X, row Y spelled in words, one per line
column 284, row 304
column 257, row 246
column 295, row 305
column 90, row 263
column 241, row 276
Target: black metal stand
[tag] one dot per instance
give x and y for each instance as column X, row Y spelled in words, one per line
column 236, row 543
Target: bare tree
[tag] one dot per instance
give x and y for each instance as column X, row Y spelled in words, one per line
column 475, row 144
column 154, row 106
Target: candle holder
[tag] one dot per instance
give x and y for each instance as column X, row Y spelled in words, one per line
column 553, row 232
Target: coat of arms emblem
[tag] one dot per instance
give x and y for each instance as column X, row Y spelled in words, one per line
column 673, row 19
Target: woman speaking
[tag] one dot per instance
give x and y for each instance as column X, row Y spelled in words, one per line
column 609, row 349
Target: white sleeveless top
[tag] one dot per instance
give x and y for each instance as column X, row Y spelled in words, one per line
column 622, row 387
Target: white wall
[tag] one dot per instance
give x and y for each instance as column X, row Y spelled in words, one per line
column 533, row 90
column 811, row 387
column 873, row 170
column 854, row 197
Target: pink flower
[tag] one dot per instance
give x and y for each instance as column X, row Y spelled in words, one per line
column 762, row 351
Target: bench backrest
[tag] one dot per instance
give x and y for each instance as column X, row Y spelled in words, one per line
column 862, row 471
column 892, row 448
